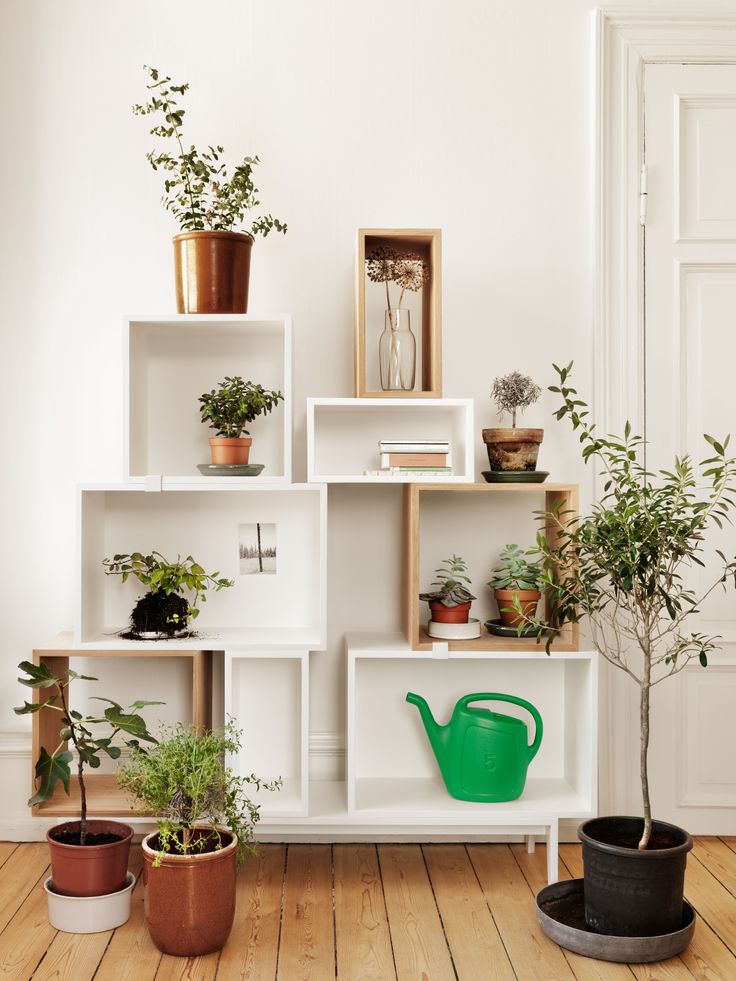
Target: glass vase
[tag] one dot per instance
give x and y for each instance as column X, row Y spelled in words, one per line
column 397, row 352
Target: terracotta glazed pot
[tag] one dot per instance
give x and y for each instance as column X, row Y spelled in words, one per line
column 512, row 449
column 90, row 870
column 449, row 614
column 230, row 450
column 212, row 270
column 528, row 598
column 189, row 900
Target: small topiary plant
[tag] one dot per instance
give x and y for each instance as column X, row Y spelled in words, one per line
column 163, row 610
column 514, row 392
column 234, row 404
column 451, row 591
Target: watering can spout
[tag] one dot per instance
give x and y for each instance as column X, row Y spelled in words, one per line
column 437, row 734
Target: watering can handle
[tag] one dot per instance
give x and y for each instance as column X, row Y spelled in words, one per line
column 497, row 697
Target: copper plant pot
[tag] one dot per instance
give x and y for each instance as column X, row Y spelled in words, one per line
column 212, row 270
column 90, row 870
column 189, row 900
column 449, row 614
column 227, row 451
column 528, row 600
column 512, row 449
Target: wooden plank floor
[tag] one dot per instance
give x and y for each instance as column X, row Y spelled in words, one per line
column 367, row 913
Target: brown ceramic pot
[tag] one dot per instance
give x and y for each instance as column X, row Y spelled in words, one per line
column 449, row 614
column 528, row 599
column 90, row 870
column 512, row 449
column 189, row 900
column 230, row 450
column 212, row 270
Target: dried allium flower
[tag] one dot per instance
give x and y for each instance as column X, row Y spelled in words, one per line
column 380, row 264
column 514, row 391
column 411, row 272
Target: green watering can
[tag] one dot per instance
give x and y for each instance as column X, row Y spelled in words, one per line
column 483, row 755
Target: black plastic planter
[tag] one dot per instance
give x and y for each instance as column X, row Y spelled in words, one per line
column 632, row 893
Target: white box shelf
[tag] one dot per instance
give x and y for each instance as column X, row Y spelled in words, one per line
column 285, row 610
column 267, row 694
column 171, row 360
column 343, row 435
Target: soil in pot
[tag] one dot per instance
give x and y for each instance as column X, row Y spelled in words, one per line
column 95, row 869
column 154, row 613
column 528, row 600
column 449, row 614
column 512, row 449
column 632, row 893
column 190, row 899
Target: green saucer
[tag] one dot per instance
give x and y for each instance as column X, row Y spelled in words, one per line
column 499, row 630
column 515, row 476
column 230, row 469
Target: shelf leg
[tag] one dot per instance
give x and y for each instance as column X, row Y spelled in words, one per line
column 530, row 844
column 553, row 838
column 202, row 690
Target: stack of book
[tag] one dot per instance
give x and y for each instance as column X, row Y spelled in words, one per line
column 413, row 457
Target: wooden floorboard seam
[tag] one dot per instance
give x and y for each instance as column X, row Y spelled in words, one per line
column 439, row 911
column 490, row 910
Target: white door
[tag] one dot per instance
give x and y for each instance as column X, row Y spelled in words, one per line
column 690, row 376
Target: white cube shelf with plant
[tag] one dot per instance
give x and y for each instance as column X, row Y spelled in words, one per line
column 267, row 545
column 171, row 361
column 343, row 437
column 267, row 694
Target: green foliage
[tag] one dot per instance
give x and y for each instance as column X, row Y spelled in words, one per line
column 160, row 575
column 91, row 735
column 235, row 403
column 198, row 191
column 514, row 392
column 186, row 779
column 515, row 571
column 450, row 591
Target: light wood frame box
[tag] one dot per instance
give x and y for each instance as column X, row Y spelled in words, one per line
column 104, row 797
column 566, row 495
column 428, row 242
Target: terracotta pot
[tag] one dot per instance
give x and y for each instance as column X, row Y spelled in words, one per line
column 189, row 900
column 512, row 449
column 230, row 450
column 212, row 270
column 528, row 598
column 449, row 614
column 90, row 870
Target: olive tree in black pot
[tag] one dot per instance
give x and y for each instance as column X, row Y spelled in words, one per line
column 626, row 568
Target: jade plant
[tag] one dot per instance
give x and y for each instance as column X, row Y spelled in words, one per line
column 197, row 188
column 627, row 566
column 91, row 736
column 163, row 609
column 450, row 581
column 185, row 778
column 234, row 404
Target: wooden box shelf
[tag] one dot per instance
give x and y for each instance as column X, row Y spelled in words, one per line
column 476, row 526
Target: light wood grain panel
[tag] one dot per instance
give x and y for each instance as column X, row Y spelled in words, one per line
column 27, row 937
column 188, row 968
column 20, row 874
column 362, row 938
column 712, row 901
column 307, row 948
column 6, row 850
column 420, row 951
column 719, row 859
column 472, row 936
column 251, row 953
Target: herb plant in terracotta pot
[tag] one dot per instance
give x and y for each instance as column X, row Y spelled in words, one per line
column 515, row 584
column 88, row 857
column 205, row 832
column 163, row 611
column 211, row 258
column 228, row 409
column 450, row 601
column 514, row 449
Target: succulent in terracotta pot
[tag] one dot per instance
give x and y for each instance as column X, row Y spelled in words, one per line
column 516, row 586
column 228, row 409
column 204, row 833
column 513, row 449
column 451, row 600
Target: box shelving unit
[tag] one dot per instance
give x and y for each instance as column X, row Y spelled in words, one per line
column 285, row 610
column 343, row 436
column 171, row 360
column 491, row 513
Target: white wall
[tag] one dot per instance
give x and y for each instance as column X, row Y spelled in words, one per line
column 474, row 116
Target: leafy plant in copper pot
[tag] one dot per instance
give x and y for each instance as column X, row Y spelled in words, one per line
column 228, row 409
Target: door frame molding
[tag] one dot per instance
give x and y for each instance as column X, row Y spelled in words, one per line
column 628, row 37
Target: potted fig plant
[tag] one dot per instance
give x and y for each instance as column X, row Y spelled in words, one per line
column 163, row 612
column 450, row 601
column 228, row 409
column 89, row 858
column 204, row 833
column 515, row 584
column 513, row 450
column 626, row 568
column 211, row 258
